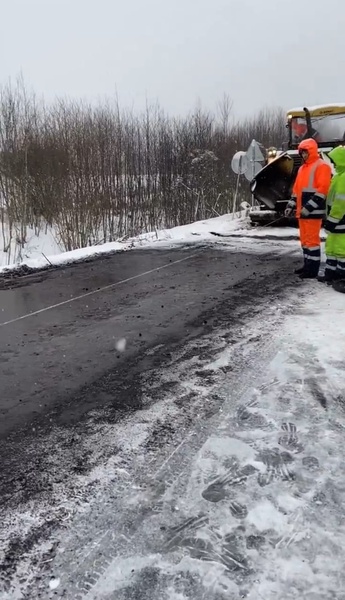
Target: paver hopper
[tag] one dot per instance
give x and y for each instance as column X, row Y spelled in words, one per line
column 272, row 186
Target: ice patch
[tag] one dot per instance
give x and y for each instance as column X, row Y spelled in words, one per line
column 224, row 447
column 54, row 583
column 121, row 574
column 265, row 516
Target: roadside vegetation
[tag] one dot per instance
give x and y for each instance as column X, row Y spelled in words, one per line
column 100, row 173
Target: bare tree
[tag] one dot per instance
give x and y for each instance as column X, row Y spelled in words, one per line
column 97, row 174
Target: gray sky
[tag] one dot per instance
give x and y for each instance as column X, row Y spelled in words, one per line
column 260, row 52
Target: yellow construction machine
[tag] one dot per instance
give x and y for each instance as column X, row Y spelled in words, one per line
column 272, row 186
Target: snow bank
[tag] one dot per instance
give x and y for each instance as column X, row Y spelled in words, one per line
column 37, row 242
column 42, row 250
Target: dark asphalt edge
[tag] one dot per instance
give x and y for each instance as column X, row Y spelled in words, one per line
column 287, row 238
column 23, row 271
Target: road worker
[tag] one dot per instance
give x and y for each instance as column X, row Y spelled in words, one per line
column 309, row 200
column 335, row 223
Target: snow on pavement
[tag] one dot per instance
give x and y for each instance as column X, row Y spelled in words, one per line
column 259, row 512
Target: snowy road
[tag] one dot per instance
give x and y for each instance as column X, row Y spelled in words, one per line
column 189, row 465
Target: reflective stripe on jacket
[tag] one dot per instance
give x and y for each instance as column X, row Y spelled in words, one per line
column 336, row 196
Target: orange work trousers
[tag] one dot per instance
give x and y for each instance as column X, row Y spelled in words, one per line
column 309, row 232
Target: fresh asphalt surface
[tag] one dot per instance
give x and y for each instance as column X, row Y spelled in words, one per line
column 147, row 297
column 59, row 332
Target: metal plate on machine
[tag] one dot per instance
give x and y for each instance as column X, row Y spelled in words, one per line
column 274, row 181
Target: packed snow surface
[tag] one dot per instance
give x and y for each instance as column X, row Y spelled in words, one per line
column 260, row 512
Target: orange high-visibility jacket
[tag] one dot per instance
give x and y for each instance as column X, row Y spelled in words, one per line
column 312, row 184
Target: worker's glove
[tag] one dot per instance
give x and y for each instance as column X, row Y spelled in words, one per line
column 329, row 226
column 305, row 212
column 288, row 211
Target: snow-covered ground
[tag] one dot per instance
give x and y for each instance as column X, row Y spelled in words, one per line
column 247, row 504
column 258, row 512
column 43, row 249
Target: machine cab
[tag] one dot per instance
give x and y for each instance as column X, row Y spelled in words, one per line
column 325, row 124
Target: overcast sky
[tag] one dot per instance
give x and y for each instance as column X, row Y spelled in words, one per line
column 260, row 52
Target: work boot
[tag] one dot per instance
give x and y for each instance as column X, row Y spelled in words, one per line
column 327, row 277
column 308, row 275
column 323, row 279
column 300, row 270
column 311, row 271
column 339, row 285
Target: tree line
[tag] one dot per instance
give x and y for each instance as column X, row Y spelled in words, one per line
column 102, row 173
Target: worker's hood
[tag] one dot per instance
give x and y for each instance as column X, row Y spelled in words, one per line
column 312, row 148
column 337, row 155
